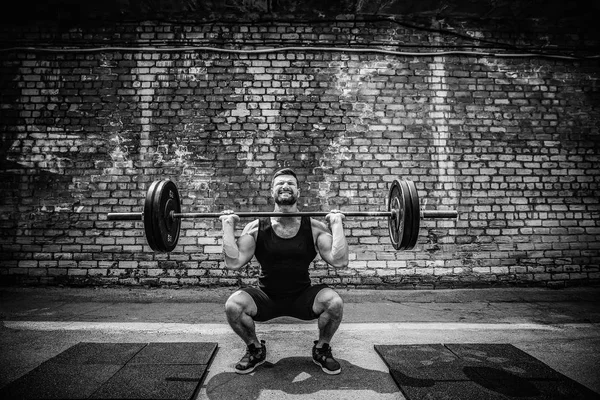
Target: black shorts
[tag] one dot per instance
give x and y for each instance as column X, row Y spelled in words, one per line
column 297, row 306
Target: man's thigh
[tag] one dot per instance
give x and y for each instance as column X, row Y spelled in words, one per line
column 266, row 308
column 302, row 306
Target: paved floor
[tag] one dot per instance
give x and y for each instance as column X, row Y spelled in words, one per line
column 559, row 327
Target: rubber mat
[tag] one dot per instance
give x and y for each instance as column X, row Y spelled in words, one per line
column 476, row 371
column 117, row 371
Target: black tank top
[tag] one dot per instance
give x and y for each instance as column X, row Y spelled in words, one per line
column 284, row 262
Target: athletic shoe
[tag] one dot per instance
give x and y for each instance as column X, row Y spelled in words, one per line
column 323, row 358
column 253, row 358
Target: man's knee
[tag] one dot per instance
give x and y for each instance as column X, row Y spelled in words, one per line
column 331, row 302
column 237, row 304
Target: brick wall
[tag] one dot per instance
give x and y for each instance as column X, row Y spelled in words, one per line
column 512, row 143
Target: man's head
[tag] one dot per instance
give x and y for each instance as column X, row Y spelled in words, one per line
column 284, row 187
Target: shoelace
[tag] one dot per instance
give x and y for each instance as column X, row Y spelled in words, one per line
column 325, row 352
column 253, row 352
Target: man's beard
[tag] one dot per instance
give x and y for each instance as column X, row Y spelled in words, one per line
column 287, row 201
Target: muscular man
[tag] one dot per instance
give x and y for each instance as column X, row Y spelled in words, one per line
column 285, row 247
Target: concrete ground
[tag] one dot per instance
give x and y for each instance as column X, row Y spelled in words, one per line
column 559, row 327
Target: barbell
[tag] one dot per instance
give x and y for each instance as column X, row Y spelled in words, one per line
column 162, row 215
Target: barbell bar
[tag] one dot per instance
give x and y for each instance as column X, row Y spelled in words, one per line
column 162, row 215
column 139, row 216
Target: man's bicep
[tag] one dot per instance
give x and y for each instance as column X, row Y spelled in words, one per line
column 247, row 242
column 324, row 244
column 246, row 247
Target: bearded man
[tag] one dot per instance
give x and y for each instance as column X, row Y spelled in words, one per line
column 285, row 246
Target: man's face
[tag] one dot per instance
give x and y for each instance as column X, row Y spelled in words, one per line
column 285, row 190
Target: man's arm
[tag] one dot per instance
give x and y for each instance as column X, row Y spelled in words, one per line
column 331, row 244
column 237, row 253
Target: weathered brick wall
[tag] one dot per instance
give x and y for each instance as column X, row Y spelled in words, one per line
column 512, row 143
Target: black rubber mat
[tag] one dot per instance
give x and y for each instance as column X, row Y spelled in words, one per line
column 151, row 381
column 175, row 353
column 476, row 371
column 99, row 353
column 117, row 371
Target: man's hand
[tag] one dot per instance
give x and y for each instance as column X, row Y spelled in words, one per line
column 229, row 217
column 334, row 217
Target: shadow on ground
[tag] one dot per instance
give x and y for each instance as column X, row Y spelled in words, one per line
column 297, row 375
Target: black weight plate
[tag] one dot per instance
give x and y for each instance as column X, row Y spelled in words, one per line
column 391, row 226
column 392, row 221
column 148, row 218
column 166, row 228
column 158, row 245
column 173, row 224
column 408, row 215
column 416, row 208
column 396, row 225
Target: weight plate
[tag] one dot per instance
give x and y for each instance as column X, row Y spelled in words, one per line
column 166, row 229
column 148, row 217
column 158, row 245
column 407, row 215
column 416, row 211
column 396, row 222
column 391, row 220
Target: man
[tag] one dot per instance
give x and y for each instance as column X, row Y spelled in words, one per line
column 285, row 247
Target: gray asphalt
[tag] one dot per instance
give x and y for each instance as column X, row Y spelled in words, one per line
column 559, row 327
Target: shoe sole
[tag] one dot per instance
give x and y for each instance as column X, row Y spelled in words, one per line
column 337, row 371
column 247, row 371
